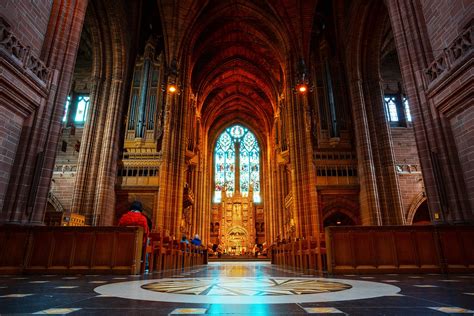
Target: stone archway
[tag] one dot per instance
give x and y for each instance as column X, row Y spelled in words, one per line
column 236, row 241
column 419, row 203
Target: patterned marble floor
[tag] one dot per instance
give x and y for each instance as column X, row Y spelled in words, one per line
column 247, row 288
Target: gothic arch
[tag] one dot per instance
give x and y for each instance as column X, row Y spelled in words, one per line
column 94, row 194
column 54, row 202
column 380, row 193
column 344, row 206
column 415, row 204
column 344, row 212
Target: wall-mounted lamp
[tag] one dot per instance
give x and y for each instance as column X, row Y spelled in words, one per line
column 302, row 88
column 302, row 81
column 172, row 88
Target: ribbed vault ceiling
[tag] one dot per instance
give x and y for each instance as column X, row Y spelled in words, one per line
column 237, row 64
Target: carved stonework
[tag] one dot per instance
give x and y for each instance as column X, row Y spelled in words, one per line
column 453, row 54
column 21, row 53
column 237, row 223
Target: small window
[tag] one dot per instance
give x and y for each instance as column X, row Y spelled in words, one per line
column 407, row 109
column 82, row 108
column 66, row 107
column 391, row 108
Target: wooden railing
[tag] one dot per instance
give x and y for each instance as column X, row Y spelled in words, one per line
column 64, row 250
column 400, row 249
column 302, row 254
column 167, row 254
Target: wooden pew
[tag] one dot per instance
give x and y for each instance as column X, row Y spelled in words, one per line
column 67, row 250
column 400, row 249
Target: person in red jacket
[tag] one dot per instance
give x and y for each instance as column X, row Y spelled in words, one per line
column 134, row 217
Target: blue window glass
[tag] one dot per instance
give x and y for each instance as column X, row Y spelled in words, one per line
column 391, row 108
column 66, row 107
column 225, row 162
column 82, row 108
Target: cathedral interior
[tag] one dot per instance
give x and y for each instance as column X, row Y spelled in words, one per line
column 311, row 144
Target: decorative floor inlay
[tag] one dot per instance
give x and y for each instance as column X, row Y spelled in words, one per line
column 246, row 287
column 248, row 290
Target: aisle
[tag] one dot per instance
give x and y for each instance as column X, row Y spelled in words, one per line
column 238, row 288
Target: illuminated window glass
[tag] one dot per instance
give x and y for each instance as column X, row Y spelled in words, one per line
column 391, row 108
column 82, row 107
column 407, row 109
column 66, row 107
column 225, row 162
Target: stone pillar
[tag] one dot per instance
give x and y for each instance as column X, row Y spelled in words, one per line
column 303, row 182
column 369, row 196
column 32, row 170
column 443, row 180
column 173, row 164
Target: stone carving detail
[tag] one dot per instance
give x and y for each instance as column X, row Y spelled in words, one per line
column 459, row 48
column 407, row 168
column 21, row 53
column 65, row 168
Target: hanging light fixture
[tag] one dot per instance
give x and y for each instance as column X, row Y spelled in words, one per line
column 302, row 81
column 172, row 73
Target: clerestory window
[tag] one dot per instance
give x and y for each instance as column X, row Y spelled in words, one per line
column 397, row 110
column 75, row 109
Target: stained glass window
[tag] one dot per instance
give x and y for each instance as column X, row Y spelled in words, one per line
column 78, row 106
column 225, row 162
column 82, row 107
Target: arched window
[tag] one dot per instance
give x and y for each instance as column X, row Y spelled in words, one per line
column 237, row 146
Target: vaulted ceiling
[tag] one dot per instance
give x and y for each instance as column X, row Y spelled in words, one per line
column 237, row 53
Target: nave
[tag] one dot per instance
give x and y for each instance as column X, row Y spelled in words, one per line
column 238, row 288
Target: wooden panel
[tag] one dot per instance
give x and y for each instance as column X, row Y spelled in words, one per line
column 405, row 249
column 13, row 246
column 363, row 249
column 426, row 248
column 103, row 249
column 63, row 244
column 342, row 249
column 124, row 251
column 402, row 249
column 83, row 249
column 384, row 248
column 467, row 239
column 42, row 243
column 452, row 248
column 69, row 249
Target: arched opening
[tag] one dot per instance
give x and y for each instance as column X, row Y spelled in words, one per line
column 338, row 218
column 236, row 195
column 237, row 164
column 422, row 215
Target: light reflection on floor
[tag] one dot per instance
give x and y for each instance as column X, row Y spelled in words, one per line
column 246, row 283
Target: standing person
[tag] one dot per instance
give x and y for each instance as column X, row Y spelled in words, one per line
column 134, row 217
column 196, row 240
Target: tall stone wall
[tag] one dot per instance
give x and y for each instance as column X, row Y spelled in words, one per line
column 29, row 20
column 410, row 179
